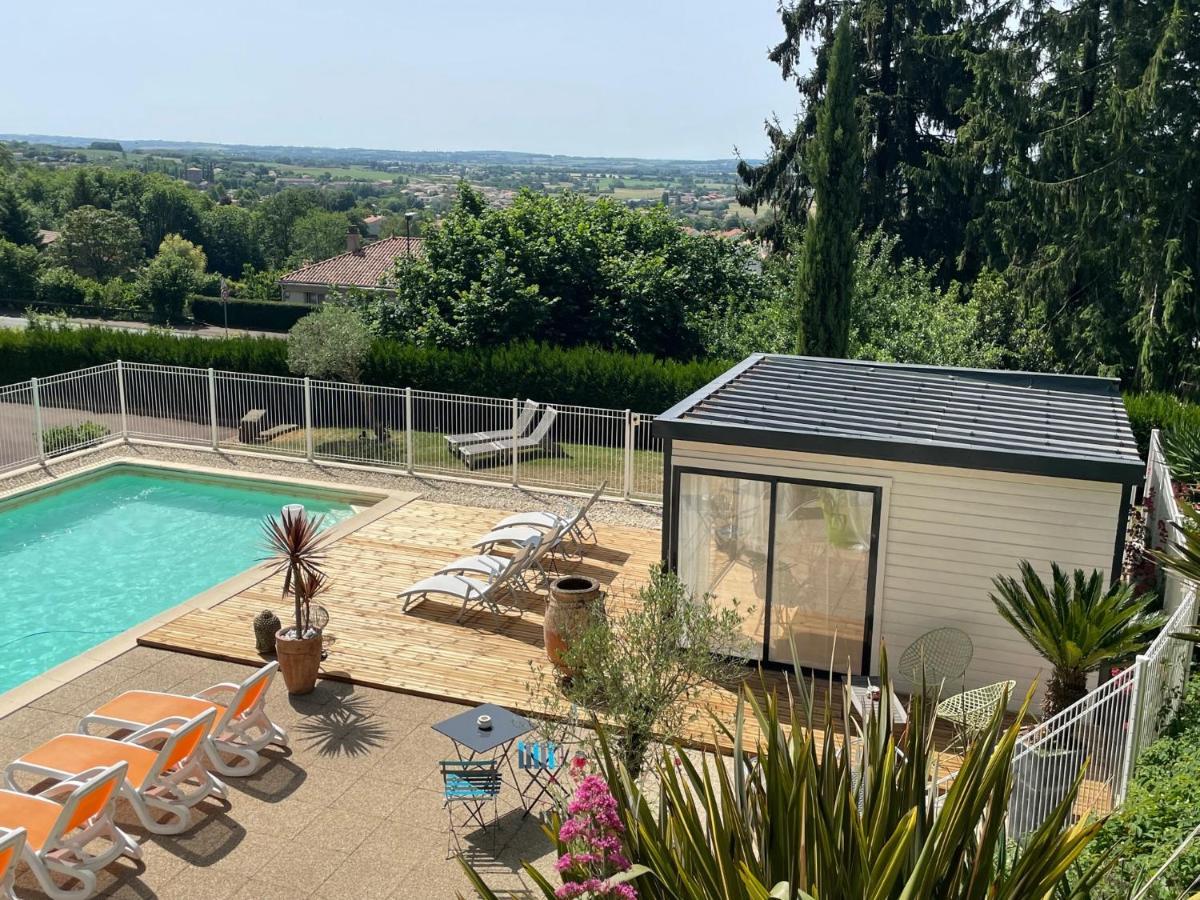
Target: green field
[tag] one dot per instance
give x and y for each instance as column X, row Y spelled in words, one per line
column 344, row 173
column 574, row 466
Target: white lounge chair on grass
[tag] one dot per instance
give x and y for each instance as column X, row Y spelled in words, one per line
column 62, row 824
column 491, row 565
column 519, row 535
column 455, row 441
column 498, row 451
column 582, row 531
column 171, row 779
column 472, row 591
column 242, row 729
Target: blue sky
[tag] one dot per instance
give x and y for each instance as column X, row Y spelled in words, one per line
column 615, row 78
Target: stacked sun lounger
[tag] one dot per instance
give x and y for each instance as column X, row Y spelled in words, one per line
column 524, row 438
column 488, row 580
column 159, row 755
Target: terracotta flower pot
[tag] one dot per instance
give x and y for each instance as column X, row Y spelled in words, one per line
column 299, row 660
column 570, row 610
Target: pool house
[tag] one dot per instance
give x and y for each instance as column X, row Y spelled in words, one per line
column 842, row 505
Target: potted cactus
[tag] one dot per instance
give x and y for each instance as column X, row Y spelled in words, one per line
column 297, row 551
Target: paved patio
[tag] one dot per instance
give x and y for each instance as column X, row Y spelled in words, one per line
column 354, row 811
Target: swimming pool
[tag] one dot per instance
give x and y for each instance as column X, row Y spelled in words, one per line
column 92, row 556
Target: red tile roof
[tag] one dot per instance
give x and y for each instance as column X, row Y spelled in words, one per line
column 362, row 268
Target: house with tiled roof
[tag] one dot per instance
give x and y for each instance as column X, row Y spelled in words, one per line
column 361, row 266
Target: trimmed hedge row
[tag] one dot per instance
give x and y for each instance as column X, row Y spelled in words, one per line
column 583, row 376
column 264, row 315
column 1165, row 411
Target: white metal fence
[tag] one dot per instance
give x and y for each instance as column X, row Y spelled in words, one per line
column 1109, row 728
column 399, row 428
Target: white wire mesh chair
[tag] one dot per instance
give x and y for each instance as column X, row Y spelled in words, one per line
column 971, row 711
column 936, row 657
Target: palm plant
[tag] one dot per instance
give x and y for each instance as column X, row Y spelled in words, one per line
column 1076, row 624
column 297, row 548
column 809, row 813
column 1181, row 447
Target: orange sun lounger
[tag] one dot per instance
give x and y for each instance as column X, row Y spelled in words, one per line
column 62, row 825
column 170, row 779
column 240, row 730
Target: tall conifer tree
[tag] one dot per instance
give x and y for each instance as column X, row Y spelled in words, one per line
column 833, row 164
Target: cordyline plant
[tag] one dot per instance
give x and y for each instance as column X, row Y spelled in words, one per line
column 1079, row 624
column 810, row 814
column 297, row 549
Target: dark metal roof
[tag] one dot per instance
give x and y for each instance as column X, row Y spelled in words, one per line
column 1070, row 426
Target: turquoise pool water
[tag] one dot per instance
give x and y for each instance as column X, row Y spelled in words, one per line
column 86, row 561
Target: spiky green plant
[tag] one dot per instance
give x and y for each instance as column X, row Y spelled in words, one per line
column 797, row 817
column 1181, row 447
column 1076, row 623
column 298, row 549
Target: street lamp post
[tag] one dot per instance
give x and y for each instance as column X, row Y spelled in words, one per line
column 408, row 217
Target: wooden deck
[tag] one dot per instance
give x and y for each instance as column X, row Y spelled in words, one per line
column 485, row 658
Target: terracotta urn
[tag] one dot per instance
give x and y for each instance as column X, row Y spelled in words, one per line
column 571, row 609
column 299, row 660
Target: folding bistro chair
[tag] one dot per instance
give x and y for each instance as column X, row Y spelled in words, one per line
column 469, row 785
column 540, row 761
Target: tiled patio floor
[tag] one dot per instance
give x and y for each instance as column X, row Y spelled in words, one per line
column 353, row 812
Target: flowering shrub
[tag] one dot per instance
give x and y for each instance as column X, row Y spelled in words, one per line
column 592, row 838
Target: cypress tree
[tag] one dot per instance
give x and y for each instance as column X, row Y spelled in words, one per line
column 833, row 163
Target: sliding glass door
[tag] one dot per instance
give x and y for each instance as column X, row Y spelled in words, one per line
column 821, row 576
column 796, row 559
column 724, row 527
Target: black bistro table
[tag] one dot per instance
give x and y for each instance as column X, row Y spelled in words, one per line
column 471, row 742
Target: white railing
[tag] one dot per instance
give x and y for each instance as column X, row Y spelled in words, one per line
column 1108, row 729
column 325, row 421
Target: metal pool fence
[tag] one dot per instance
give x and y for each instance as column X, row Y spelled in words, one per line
column 1108, row 729
column 543, row 445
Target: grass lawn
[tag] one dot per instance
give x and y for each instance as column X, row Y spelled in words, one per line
column 356, row 173
column 578, row 466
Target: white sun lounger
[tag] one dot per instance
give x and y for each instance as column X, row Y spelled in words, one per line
column 491, row 565
column 455, row 441
column 475, row 455
column 582, row 531
column 471, row 591
column 519, row 535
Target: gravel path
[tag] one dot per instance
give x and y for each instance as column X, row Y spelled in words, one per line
column 435, row 489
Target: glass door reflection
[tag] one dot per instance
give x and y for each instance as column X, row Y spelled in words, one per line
column 724, row 529
column 821, row 576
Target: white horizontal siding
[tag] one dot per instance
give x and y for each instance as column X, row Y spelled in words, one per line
column 947, row 533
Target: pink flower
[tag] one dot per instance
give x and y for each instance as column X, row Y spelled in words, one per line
column 592, row 834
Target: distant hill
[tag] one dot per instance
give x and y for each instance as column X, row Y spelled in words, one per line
column 317, row 156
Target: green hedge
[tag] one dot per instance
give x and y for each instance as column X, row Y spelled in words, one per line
column 1158, row 813
column 582, row 376
column 262, row 315
column 1150, row 411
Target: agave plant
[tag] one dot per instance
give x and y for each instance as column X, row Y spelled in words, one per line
column 808, row 813
column 297, row 548
column 1076, row 623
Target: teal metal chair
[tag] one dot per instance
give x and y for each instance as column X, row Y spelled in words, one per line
column 469, row 786
column 541, row 762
